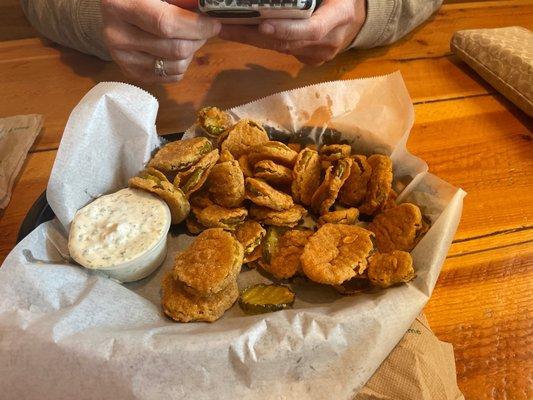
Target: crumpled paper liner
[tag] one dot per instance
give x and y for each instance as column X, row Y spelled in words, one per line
column 68, row 324
column 17, row 135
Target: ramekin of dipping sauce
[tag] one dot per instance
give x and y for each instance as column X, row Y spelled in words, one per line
column 123, row 234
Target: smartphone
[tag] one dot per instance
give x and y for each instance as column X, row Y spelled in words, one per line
column 250, row 12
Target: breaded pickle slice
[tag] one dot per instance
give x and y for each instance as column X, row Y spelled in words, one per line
column 357, row 284
column 397, row 228
column 210, row 263
column 275, row 174
column 270, row 244
column 263, row 298
column 348, row 216
column 336, row 253
column 353, row 192
column 262, row 194
column 246, row 168
column 182, row 306
column 306, row 176
column 213, row 121
column 153, row 181
column 215, row 216
column 334, row 152
column 327, row 192
column 379, row 185
column 297, row 147
column 180, row 155
column 193, row 226
column 198, row 173
column 200, row 199
column 285, row 258
column 250, row 234
column 275, row 151
column 390, row 202
column 387, row 269
column 225, row 156
column 242, row 136
column 226, row 184
column 253, row 256
column 288, row 218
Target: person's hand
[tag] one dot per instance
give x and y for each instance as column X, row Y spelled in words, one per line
column 331, row 28
column 139, row 32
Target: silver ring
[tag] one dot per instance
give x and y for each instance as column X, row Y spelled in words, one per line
column 159, row 68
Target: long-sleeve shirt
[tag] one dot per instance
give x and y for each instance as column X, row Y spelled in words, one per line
column 78, row 23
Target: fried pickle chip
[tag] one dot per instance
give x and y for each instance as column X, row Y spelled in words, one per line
column 285, row 218
column 225, row 156
column 426, row 224
column 285, row 260
column 334, row 152
column 379, row 185
column 397, row 228
column 182, row 306
column 246, row 168
column 270, row 244
column 336, row 253
column 357, row 284
column 262, row 194
column 180, row 155
column 242, row 136
column 194, row 178
column 273, row 173
column 306, row 176
column 297, row 147
column 210, row 263
column 153, row 181
column 249, row 234
column 327, row 192
column 255, row 255
column 353, row 191
column 193, row 226
column 348, row 216
column 200, row 199
column 262, row 298
column 391, row 200
column 274, row 151
column 215, row 216
column 226, row 184
column 213, row 121
column 387, row 269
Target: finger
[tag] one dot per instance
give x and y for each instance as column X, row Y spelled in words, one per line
column 124, row 36
column 163, row 19
column 250, row 35
column 145, row 63
column 141, row 75
column 329, row 15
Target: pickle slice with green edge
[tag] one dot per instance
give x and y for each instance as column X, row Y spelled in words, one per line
column 270, row 243
column 262, row 298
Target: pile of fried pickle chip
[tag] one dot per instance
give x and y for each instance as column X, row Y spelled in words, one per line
column 283, row 208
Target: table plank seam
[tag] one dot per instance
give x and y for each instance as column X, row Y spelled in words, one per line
column 468, row 253
column 495, row 233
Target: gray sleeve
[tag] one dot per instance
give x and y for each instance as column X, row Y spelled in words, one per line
column 389, row 20
column 72, row 23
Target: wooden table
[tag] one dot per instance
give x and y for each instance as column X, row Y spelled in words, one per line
column 468, row 134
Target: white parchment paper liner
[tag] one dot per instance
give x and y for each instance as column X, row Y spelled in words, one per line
column 70, row 333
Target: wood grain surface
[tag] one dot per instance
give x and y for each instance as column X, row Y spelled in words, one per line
column 468, row 134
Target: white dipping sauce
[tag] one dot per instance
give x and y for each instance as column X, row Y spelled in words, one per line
column 125, row 231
